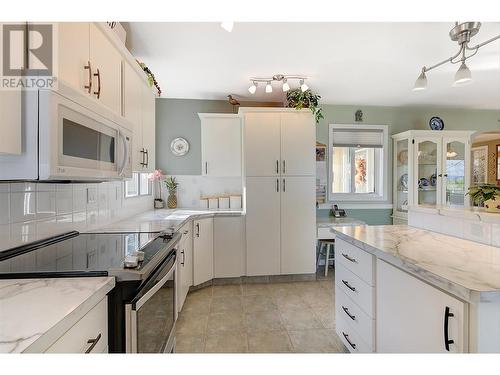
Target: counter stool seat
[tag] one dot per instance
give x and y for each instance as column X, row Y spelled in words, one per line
column 325, row 248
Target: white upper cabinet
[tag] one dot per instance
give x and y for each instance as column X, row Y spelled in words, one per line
column 298, row 137
column 106, row 70
column 220, row 144
column 75, row 68
column 148, row 127
column 262, row 144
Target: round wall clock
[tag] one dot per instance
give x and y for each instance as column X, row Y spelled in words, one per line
column 436, row 123
column 179, row 147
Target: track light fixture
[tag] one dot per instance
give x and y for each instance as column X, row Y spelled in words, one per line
column 283, row 78
column 462, row 34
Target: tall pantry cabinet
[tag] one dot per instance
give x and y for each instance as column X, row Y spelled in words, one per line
column 279, row 147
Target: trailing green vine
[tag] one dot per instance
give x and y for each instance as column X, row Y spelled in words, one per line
column 299, row 99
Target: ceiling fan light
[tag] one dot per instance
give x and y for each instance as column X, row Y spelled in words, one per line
column 228, row 26
column 252, row 88
column 286, row 86
column 421, row 82
column 463, row 76
column 303, row 86
column 269, row 88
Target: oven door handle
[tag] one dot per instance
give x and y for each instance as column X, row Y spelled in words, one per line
column 151, row 292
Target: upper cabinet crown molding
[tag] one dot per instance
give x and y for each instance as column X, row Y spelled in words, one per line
column 243, row 110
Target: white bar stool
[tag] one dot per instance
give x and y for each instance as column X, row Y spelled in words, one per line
column 327, row 244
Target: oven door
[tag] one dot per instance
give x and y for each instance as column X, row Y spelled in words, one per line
column 76, row 143
column 150, row 316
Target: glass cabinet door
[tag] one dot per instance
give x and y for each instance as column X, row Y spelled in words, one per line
column 426, row 172
column 401, row 175
column 453, row 173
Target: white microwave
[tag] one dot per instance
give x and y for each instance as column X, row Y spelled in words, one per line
column 67, row 137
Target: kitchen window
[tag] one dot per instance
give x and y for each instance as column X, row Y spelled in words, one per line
column 358, row 162
column 138, row 185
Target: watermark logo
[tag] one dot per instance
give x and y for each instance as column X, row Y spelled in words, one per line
column 28, row 56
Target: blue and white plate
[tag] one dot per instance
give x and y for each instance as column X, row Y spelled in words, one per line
column 436, row 123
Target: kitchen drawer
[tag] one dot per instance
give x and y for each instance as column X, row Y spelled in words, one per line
column 356, row 289
column 357, row 318
column 356, row 260
column 350, row 337
column 94, row 323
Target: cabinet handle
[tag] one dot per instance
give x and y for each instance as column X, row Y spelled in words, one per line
column 349, row 258
column 346, row 336
column 284, row 166
column 447, row 316
column 93, row 343
column 284, row 186
column 346, row 310
column 277, row 166
column 349, row 286
column 197, row 229
column 143, row 152
column 147, row 158
column 98, row 92
column 89, row 85
column 183, row 257
column 445, row 175
column 277, row 185
column 186, row 232
column 206, row 167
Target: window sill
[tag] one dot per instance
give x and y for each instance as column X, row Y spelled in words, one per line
column 356, row 205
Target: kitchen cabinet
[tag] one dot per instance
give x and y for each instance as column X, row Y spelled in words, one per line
column 229, row 246
column 184, row 264
column 148, row 127
column 263, row 226
column 11, row 125
column 431, row 169
column 298, row 229
column 220, row 144
column 106, row 69
column 203, row 250
column 414, row 317
column 88, row 335
column 280, row 191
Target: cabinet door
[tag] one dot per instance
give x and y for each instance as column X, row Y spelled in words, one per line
column 11, row 125
column 416, row 324
column 229, row 246
column 455, row 180
column 203, row 251
column 427, row 171
column 298, row 225
column 298, row 140
column 263, row 225
column 221, row 146
column 132, row 111
column 106, row 67
column 262, row 144
column 74, row 55
column 148, row 127
column 185, row 264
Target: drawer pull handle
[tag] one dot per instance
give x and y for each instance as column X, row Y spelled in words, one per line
column 186, row 232
column 93, row 343
column 349, row 258
column 349, row 286
column 447, row 341
column 346, row 310
column 346, row 336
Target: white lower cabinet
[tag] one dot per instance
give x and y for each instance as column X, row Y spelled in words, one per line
column 203, row 250
column 414, row 317
column 184, row 264
column 88, row 335
column 229, row 246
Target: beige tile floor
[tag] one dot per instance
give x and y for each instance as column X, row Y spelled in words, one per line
column 260, row 318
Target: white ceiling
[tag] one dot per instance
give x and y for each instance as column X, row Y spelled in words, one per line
column 348, row 63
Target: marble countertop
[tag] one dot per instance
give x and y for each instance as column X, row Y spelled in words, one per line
column 326, row 222
column 466, row 269
column 163, row 219
column 34, row 313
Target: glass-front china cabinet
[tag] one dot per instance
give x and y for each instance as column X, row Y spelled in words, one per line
column 431, row 169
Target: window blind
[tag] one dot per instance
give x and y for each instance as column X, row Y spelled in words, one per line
column 373, row 138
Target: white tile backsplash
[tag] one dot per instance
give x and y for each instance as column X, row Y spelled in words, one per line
column 29, row 211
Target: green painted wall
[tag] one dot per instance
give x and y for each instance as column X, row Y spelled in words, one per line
column 370, row 217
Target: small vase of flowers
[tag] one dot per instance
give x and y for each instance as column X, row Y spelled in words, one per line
column 487, row 195
column 157, row 176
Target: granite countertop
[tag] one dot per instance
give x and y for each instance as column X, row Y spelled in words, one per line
column 326, row 222
column 34, row 313
column 163, row 219
column 466, row 269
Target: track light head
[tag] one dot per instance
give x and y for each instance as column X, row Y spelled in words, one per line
column 286, row 86
column 253, row 88
column 421, row 82
column 303, row 86
column 228, row 26
column 269, row 88
column 463, row 75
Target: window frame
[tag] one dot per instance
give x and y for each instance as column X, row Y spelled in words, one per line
column 138, row 186
column 381, row 168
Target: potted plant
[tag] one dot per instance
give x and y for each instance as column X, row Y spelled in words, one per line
column 157, row 176
column 486, row 194
column 299, row 99
column 172, row 185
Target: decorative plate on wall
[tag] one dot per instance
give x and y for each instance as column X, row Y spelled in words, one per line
column 179, row 147
column 436, row 123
